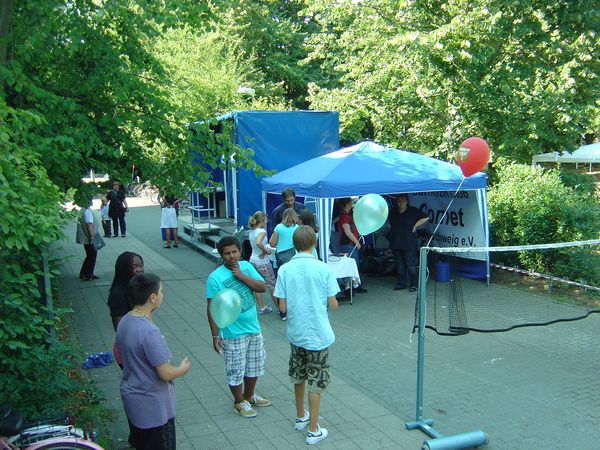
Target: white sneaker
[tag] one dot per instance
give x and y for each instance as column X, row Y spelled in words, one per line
column 301, row 422
column 317, row 436
column 244, row 409
column 265, row 310
column 257, row 400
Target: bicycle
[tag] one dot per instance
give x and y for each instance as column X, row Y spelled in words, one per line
column 130, row 188
column 152, row 192
column 51, row 434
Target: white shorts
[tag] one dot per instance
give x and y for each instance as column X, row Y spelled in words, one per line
column 168, row 218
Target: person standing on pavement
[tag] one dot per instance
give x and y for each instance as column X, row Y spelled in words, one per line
column 168, row 220
column 404, row 221
column 241, row 344
column 259, row 259
column 281, row 239
column 127, row 265
column 307, row 217
column 105, row 217
column 289, row 201
column 147, row 389
column 85, row 236
column 117, row 209
column 348, row 235
column 306, row 288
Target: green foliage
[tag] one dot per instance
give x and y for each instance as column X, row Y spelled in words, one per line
column 91, row 84
column 426, row 75
column 203, row 75
column 533, row 206
column 38, row 373
column 272, row 34
column 115, row 83
column 580, row 182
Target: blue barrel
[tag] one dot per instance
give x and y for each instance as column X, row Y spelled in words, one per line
column 442, row 272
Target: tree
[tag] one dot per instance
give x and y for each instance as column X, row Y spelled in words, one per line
column 272, row 33
column 83, row 85
column 90, row 70
column 426, row 75
column 534, row 206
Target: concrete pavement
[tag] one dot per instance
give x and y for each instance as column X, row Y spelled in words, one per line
column 529, row 388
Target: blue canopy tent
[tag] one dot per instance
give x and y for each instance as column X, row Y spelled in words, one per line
column 278, row 140
column 369, row 168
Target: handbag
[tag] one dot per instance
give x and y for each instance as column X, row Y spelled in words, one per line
column 81, row 237
column 98, row 242
column 284, row 256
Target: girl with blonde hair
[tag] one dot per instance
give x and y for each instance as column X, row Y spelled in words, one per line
column 283, row 240
column 259, row 259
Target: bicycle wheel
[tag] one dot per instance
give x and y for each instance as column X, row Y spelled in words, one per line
column 147, row 192
column 65, row 443
column 155, row 198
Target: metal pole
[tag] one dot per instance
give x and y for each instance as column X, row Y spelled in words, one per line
column 48, row 295
column 421, row 343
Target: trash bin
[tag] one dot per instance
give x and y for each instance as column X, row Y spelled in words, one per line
column 442, row 272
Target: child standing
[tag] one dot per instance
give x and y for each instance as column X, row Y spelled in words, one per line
column 105, row 217
column 307, row 217
column 241, row 343
column 306, row 288
column 147, row 387
column 260, row 256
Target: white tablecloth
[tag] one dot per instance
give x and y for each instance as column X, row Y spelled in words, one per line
column 344, row 267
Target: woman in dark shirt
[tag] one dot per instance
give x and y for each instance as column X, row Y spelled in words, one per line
column 128, row 265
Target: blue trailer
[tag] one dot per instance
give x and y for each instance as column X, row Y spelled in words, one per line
column 279, row 140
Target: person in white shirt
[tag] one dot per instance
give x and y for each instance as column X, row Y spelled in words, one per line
column 105, row 218
column 260, row 258
column 306, row 288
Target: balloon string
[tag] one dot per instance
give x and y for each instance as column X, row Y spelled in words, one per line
column 359, row 238
column 446, row 211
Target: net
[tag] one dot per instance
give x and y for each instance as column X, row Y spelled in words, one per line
column 522, row 286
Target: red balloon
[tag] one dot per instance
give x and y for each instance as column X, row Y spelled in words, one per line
column 472, row 156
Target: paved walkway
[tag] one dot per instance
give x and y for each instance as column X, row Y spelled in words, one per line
column 530, row 388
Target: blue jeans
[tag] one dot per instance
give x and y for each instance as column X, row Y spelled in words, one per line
column 406, row 263
column 355, row 254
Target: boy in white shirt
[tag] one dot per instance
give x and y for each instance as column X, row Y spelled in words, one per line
column 105, row 218
column 306, row 288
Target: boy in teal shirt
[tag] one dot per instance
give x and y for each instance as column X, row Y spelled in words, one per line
column 241, row 343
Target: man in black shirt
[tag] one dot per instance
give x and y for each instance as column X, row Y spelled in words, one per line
column 117, row 208
column 289, row 201
column 404, row 222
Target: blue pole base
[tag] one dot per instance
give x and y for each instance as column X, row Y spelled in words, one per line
column 425, row 426
column 458, row 441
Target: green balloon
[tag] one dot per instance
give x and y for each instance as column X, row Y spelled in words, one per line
column 225, row 307
column 370, row 213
